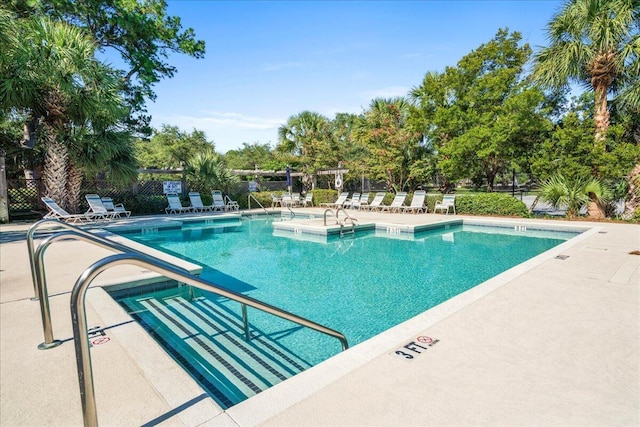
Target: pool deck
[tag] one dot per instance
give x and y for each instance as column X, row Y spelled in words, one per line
column 550, row 342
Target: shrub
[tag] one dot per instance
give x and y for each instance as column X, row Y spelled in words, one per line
column 491, row 204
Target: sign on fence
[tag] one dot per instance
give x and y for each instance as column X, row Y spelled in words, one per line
column 171, row 187
column 253, row 186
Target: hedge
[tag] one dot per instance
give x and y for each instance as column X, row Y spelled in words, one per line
column 490, row 204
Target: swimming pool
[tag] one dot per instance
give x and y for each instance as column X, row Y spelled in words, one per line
column 360, row 285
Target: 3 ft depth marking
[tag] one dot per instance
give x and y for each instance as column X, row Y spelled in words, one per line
column 415, row 348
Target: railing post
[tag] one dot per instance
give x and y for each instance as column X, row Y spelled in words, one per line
column 245, row 322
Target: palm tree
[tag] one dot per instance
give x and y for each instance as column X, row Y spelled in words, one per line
column 306, row 135
column 107, row 152
column 209, row 170
column 574, row 194
column 595, row 43
column 50, row 71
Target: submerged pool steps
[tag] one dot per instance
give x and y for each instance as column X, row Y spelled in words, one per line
column 207, row 339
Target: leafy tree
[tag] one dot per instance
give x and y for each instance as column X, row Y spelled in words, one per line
column 252, row 155
column 595, row 43
column 49, row 71
column 140, row 31
column 481, row 116
column 170, row 147
column 391, row 143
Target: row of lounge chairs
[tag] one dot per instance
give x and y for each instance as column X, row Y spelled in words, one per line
column 361, row 201
column 292, row 200
column 100, row 209
column 220, row 203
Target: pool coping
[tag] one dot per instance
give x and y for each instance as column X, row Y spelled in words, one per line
column 601, row 263
column 263, row 406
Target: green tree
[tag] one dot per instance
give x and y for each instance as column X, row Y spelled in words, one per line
column 252, row 155
column 576, row 193
column 49, row 71
column 594, row 43
column 170, row 147
column 391, row 143
column 207, row 170
column 481, row 116
column 141, row 32
column 306, row 143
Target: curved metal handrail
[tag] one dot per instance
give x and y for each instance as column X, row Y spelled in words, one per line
column 329, row 210
column 79, row 320
column 36, row 259
column 105, row 243
column 341, row 209
column 251, row 196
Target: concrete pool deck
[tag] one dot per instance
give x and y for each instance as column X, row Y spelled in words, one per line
column 552, row 342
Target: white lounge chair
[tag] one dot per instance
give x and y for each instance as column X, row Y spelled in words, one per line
column 231, row 205
column 118, row 209
column 363, row 202
column 338, row 203
column 376, row 203
column 175, row 205
column 218, row 201
column 354, row 200
column 275, row 201
column 308, row 200
column 56, row 212
column 196, row 202
column 396, row 204
column 417, row 202
column 97, row 209
column 448, row 201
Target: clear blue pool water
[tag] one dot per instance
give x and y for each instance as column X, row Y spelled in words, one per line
column 359, row 285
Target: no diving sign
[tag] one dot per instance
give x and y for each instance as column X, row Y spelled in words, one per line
column 415, row 348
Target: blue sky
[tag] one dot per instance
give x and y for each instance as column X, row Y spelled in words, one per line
column 268, row 60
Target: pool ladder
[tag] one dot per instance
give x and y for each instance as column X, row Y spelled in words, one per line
column 127, row 256
column 348, row 222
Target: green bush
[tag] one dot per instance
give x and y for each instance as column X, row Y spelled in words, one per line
column 147, row 205
column 490, row 204
column 324, row 196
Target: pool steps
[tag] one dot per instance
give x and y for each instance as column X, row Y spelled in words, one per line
column 228, row 367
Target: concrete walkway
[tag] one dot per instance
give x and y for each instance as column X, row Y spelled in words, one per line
column 550, row 342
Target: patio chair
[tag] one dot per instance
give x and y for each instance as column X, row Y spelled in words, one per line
column 118, row 209
column 417, row 202
column 396, row 204
column 295, row 199
column 218, row 201
column 308, row 200
column 338, row 203
column 196, row 202
column 448, row 201
column 56, row 212
column 364, row 201
column 175, row 205
column 231, row 205
column 376, row 203
column 275, row 201
column 349, row 203
column 97, row 209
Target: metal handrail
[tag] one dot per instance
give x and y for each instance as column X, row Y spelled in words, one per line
column 328, row 210
column 341, row 209
column 108, row 244
column 41, row 278
column 79, row 320
column 251, row 196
